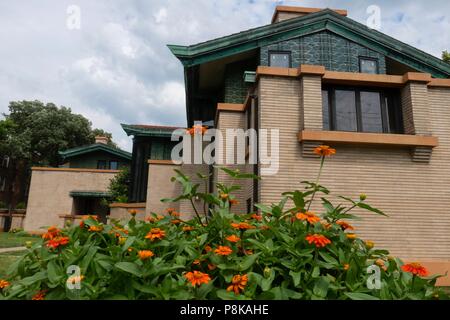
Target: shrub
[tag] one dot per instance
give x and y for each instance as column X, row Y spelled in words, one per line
column 287, row 252
column 21, row 206
column 118, row 187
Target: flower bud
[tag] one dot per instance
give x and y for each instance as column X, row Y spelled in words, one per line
column 267, row 272
column 362, row 197
column 28, row 244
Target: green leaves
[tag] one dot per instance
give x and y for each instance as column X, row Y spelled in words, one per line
column 129, row 267
column 360, row 296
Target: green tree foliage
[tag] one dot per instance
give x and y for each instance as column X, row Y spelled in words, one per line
column 103, row 133
column 118, row 186
column 35, row 132
column 446, row 56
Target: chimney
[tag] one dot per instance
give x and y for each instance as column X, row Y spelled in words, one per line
column 101, row 139
column 287, row 12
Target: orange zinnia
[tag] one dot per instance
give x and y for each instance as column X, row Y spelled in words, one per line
column 175, row 221
column 40, row 295
column 188, row 228
column 345, row 225
column 95, row 228
column 346, row 267
column 196, row 278
column 416, row 269
column 223, row 251
column 257, row 217
column 145, row 254
column 57, row 242
column 351, row 236
column 212, row 267
column 224, row 196
column 319, row 240
column 132, row 212
column 238, row 284
column 197, row 129
column 233, row 238
column 234, row 202
column 370, row 244
column 172, row 212
column 4, row 284
column 308, row 216
column 75, row 279
column 155, row 233
column 324, row 151
column 207, row 248
column 242, row 226
column 51, row 233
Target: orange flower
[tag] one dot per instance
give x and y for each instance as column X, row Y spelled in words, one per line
column 324, row 151
column 196, row 278
column 75, row 279
column 175, row 221
column 57, row 242
column 223, row 251
column 155, row 233
column 40, row 295
column 208, row 249
column 416, row 269
column 326, row 225
column 346, row 266
column 257, row 217
column 145, row 254
column 238, row 284
column 242, row 226
column 95, row 228
column 4, row 284
column 196, row 262
column 132, row 212
column 351, row 236
column 51, row 233
column 224, row 196
column 172, row 212
column 188, row 228
column 234, row 202
column 233, row 238
column 197, row 129
column 308, row 216
column 319, row 240
column 345, row 226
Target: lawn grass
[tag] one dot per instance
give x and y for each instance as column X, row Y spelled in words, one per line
column 6, row 259
column 12, row 240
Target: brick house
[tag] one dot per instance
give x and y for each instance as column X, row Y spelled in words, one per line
column 323, row 78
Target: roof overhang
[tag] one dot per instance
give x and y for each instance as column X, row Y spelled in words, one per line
column 148, row 130
column 89, row 194
column 325, row 19
column 95, row 148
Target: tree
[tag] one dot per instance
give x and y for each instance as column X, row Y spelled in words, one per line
column 118, row 187
column 103, row 133
column 446, row 56
column 35, row 132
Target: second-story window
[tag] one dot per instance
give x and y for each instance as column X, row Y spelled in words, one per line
column 368, row 65
column 362, row 110
column 114, row 165
column 280, row 59
column 102, row 164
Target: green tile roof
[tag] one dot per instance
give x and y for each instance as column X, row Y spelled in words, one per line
column 93, row 148
column 148, row 130
column 308, row 24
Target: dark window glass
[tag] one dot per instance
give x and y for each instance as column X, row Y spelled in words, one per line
column 326, row 110
column 371, row 116
column 345, row 110
column 367, row 65
column 113, row 165
column 280, row 59
column 362, row 110
column 102, row 164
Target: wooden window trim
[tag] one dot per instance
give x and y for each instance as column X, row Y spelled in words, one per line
column 360, row 138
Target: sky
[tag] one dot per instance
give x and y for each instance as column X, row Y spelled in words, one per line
column 112, row 64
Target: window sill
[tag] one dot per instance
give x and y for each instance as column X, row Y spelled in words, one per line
column 422, row 146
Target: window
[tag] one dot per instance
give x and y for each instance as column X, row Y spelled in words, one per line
column 361, row 110
column 102, row 164
column 114, row 165
column 280, row 59
column 368, row 65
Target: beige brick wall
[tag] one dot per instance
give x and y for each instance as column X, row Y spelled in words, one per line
column 416, row 196
column 49, row 195
column 160, row 187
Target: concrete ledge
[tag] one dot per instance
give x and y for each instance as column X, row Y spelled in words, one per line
column 360, row 138
column 73, row 170
column 444, row 83
column 234, row 107
column 163, row 163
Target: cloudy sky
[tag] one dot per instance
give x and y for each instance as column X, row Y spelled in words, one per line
column 116, row 67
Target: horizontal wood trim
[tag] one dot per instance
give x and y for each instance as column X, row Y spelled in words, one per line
column 14, row 215
column 128, row 205
column 445, row 83
column 353, row 78
column 162, row 162
column 360, row 138
column 236, row 107
column 74, row 170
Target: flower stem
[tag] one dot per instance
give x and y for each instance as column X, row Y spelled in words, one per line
column 317, row 183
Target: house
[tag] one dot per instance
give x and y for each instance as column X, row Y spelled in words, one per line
column 76, row 188
column 319, row 77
